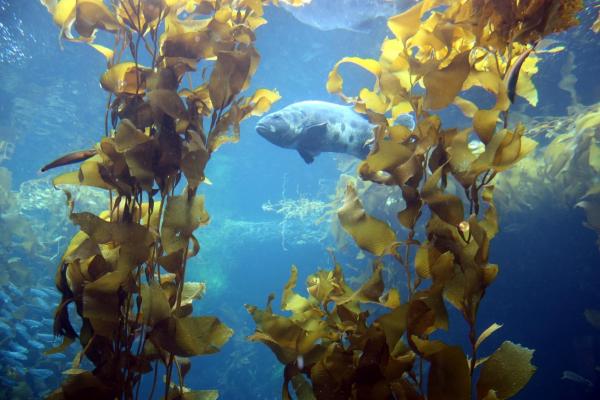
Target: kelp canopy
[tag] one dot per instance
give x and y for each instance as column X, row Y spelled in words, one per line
column 331, row 346
column 124, row 271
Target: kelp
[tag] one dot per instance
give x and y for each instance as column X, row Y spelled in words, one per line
column 331, row 345
column 564, row 170
column 124, row 272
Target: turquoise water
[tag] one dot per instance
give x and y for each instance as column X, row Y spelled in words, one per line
column 51, row 104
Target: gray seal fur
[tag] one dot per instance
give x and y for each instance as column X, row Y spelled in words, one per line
column 314, row 127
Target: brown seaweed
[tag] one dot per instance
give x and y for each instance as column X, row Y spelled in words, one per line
column 440, row 50
column 125, row 270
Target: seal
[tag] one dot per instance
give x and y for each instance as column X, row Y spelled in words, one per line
column 314, row 127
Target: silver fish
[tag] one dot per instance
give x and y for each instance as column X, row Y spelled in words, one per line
column 18, row 348
column 40, row 373
column 36, row 345
column 13, row 354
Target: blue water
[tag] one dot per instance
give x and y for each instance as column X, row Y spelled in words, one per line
column 51, row 104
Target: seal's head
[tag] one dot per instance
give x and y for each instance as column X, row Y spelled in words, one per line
column 277, row 129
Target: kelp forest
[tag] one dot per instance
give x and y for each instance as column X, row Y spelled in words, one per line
column 176, row 81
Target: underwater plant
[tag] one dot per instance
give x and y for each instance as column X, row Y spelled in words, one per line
column 331, row 345
column 124, row 272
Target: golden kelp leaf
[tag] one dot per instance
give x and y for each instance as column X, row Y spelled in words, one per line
column 192, row 291
column 229, row 76
column 286, row 338
column 504, row 150
column 387, row 155
column 195, row 157
column 406, row 24
column 467, row 107
column 191, row 336
column 422, row 261
column 105, row 51
column 102, row 231
column 596, row 24
column 182, row 217
column 335, row 81
column 369, row 292
column 263, row 99
column 128, row 136
column 88, row 175
column 594, row 158
column 394, row 325
column 442, row 86
column 526, row 89
column 373, row 101
column 369, row 233
column 391, row 299
column 448, row 207
column 200, row 395
column 321, row 284
column 485, row 334
column 124, row 78
column 91, row 15
column 484, row 124
column 506, row 372
column 291, row 301
column 101, row 301
column 593, row 317
column 63, row 12
column 449, row 376
column 167, row 102
column 155, row 306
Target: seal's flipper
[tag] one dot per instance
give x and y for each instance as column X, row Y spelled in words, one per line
column 306, row 156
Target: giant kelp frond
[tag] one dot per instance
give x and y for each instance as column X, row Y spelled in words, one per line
column 125, row 270
column 439, row 51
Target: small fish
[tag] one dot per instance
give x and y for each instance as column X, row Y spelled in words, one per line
column 36, row 345
column 572, row 376
column 18, row 348
column 14, row 291
column 48, row 291
column 15, row 364
column 45, row 337
column 38, row 292
column 13, row 354
column 21, row 330
column 5, row 328
column 31, row 324
column 40, row 373
column 4, row 381
column 57, row 356
column 40, row 303
column 513, row 75
column 71, row 158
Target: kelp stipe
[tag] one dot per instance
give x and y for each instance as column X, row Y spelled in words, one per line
column 124, row 271
column 328, row 345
